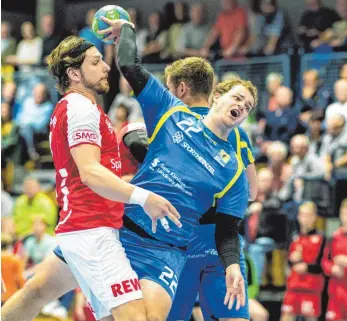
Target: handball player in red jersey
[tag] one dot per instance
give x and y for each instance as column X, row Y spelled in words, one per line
column 91, row 196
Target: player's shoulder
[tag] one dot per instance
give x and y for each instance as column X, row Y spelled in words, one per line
column 79, row 102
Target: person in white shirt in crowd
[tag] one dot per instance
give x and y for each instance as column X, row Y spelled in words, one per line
column 34, row 116
column 29, row 50
column 339, row 107
column 141, row 33
column 125, row 98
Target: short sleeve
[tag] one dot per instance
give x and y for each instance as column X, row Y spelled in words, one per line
column 155, row 100
column 83, row 121
column 246, row 148
column 235, row 200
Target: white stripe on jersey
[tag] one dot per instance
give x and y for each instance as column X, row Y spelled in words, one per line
column 83, row 121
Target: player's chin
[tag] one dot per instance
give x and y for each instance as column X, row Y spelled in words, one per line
column 103, row 88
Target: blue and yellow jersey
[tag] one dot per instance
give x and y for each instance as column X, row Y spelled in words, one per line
column 238, row 139
column 187, row 164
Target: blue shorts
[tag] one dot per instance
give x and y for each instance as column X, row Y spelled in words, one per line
column 154, row 260
column 203, row 275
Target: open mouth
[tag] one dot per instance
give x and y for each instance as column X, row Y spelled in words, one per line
column 235, row 113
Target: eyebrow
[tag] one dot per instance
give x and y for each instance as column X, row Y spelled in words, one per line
column 249, row 105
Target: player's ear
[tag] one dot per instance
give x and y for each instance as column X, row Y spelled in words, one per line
column 73, row 74
column 182, row 89
column 215, row 97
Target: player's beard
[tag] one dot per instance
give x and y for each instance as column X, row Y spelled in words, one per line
column 101, row 87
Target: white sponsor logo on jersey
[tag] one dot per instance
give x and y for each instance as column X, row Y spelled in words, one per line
column 116, row 164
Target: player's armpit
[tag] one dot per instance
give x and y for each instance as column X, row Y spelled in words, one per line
column 227, row 239
column 252, row 181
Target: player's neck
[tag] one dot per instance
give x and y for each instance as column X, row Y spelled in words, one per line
column 216, row 127
column 198, row 103
column 90, row 94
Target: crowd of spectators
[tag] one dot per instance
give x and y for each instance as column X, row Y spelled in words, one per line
column 299, row 136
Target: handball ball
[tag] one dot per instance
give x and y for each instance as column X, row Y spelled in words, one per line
column 111, row 12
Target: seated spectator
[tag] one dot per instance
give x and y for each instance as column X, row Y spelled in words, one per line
column 29, row 50
column 8, row 48
column 6, row 203
column 336, row 36
column 12, row 269
column 8, row 95
column 282, row 122
column 174, row 46
column 315, row 134
column 305, row 282
column 34, row 116
column 263, row 221
column 335, row 147
column 125, row 98
column 33, row 202
column 277, row 153
column 343, row 72
column 339, row 107
column 305, row 167
column 230, row 28
column 87, row 33
column 195, row 32
column 156, row 40
column 335, row 267
column 276, row 33
column 141, row 34
column 313, row 96
column 51, row 35
column 268, row 103
column 315, row 20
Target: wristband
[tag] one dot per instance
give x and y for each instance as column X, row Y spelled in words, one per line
column 139, row 196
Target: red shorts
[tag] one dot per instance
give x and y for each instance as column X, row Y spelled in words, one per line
column 337, row 306
column 301, row 303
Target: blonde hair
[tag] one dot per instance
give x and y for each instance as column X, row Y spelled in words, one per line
column 196, row 72
column 63, row 57
column 310, row 206
column 277, row 146
column 224, row 86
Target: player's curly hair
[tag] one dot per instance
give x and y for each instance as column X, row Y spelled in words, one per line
column 69, row 53
column 226, row 85
column 196, row 72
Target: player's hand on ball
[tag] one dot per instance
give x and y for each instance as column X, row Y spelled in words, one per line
column 113, row 31
column 157, row 207
column 235, row 287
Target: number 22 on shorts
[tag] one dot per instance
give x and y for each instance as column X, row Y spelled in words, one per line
column 170, row 279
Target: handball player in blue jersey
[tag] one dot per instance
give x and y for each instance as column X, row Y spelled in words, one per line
column 192, row 164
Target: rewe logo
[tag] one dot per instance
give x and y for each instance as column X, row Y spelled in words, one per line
column 126, row 286
column 84, row 135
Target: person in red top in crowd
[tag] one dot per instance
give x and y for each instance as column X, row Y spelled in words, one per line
column 90, row 193
column 335, row 266
column 305, row 283
column 231, row 29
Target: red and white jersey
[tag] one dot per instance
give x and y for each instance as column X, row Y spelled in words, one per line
column 77, row 120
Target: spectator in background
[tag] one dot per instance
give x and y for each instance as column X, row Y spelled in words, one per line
column 140, row 33
column 335, row 267
column 29, row 50
column 34, row 116
column 275, row 30
column 335, row 147
column 8, row 95
column 313, row 96
column 315, row 20
column 315, row 134
column 231, row 29
column 156, row 40
column 120, row 118
column 6, row 203
column 254, row 43
column 277, row 153
column 282, row 122
column 195, row 32
column 262, row 224
column 305, row 282
column 339, row 107
column 51, row 36
column 33, row 202
column 174, row 46
column 305, row 167
column 87, row 33
column 11, row 269
column 343, row 72
column 8, row 48
column 125, row 98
